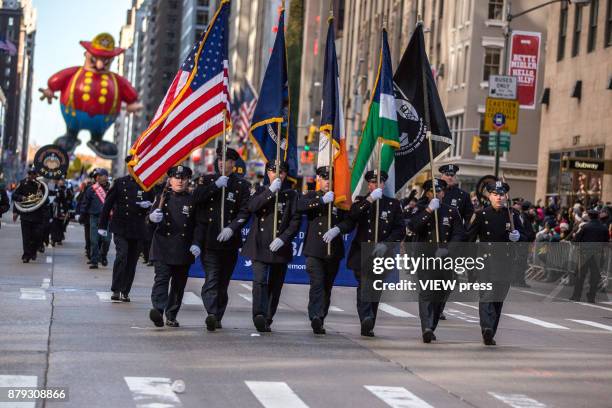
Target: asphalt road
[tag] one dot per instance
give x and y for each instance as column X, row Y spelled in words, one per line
column 60, row 329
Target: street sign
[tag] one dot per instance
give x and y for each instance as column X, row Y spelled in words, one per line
column 504, row 141
column 499, row 120
column 506, row 107
column 502, row 86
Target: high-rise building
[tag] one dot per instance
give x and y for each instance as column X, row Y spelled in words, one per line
column 195, row 17
column 575, row 154
column 465, row 44
column 18, row 30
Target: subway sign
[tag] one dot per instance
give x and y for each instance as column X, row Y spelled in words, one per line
column 577, row 164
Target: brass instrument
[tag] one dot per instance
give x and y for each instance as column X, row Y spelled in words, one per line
column 33, row 202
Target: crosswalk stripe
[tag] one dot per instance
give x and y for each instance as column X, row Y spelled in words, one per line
column 18, row 381
column 246, row 297
column 397, row 397
column 106, row 297
column 32, row 294
column 45, row 283
column 49, row 259
column 535, row 321
column 273, row 394
column 394, row 311
column 593, row 324
column 152, row 392
column 518, row 400
column 595, row 306
column 335, row 309
column 466, row 305
column 190, row 298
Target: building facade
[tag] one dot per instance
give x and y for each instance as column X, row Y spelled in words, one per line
column 18, row 31
column 575, row 154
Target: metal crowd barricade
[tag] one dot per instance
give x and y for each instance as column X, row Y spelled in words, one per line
column 556, row 257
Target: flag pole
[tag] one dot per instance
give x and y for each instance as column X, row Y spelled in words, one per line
column 223, row 172
column 380, row 146
column 330, row 137
column 278, row 143
column 427, row 126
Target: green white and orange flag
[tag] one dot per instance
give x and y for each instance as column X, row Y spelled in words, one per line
column 381, row 126
column 332, row 126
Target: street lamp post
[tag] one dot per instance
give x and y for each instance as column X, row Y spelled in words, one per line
column 507, row 33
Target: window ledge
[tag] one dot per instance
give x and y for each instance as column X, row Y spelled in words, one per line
column 495, row 23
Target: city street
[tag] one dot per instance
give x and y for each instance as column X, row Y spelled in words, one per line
column 60, row 329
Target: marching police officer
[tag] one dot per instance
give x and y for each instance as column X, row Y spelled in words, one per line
column 92, row 205
column 129, row 205
column 322, row 264
column 174, row 216
column 591, row 255
column 61, row 206
column 494, row 224
column 450, row 229
column 31, row 222
column 271, row 255
column 390, row 229
column 220, row 243
column 4, row 202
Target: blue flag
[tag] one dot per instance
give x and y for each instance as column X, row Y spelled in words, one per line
column 272, row 108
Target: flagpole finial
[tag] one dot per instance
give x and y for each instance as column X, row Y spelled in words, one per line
column 331, row 11
column 385, row 22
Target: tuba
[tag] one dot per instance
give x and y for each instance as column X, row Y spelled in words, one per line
column 33, row 202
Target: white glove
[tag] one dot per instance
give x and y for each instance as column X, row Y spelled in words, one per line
column 225, row 234
column 379, row 250
column 328, row 197
column 76, row 217
column 434, row 204
column 144, row 204
column 276, row 244
column 156, row 216
column 103, row 232
column 195, row 250
column 221, row 181
column 275, row 185
column 514, row 236
column 376, row 194
column 331, row 234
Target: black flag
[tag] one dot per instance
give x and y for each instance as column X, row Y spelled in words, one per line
column 413, row 154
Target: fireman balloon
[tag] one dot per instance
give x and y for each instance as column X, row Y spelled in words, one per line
column 91, row 96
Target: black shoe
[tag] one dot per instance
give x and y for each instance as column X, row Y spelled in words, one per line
column 116, row 296
column 53, row 244
column 172, row 323
column 591, row 300
column 427, row 336
column 125, row 298
column 33, row 257
column 433, row 337
column 317, row 326
column 25, row 259
column 211, row 322
column 156, row 317
column 104, row 149
column 442, row 316
column 104, row 261
column 41, row 249
column 218, row 325
column 367, row 327
column 487, row 337
column 93, row 266
column 260, row 323
column 574, row 299
column 68, row 143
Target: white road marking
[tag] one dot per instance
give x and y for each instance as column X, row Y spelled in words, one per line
column 466, row 305
column 32, row 294
column 246, row 286
column 394, row 311
column 275, row 394
column 518, row 400
column 152, row 392
column 45, row 284
column 190, row 298
column 461, row 315
column 593, row 324
column 246, row 297
column 397, row 397
column 49, row 259
column 535, row 321
column 592, row 305
column 105, row 297
column 18, row 381
column 335, row 309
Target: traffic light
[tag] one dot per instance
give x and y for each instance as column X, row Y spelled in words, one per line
column 312, row 130
column 307, row 156
column 476, row 144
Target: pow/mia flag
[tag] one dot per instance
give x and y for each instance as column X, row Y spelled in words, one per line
column 413, row 153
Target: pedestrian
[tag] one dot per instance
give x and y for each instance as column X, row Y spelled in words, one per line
column 449, row 229
column 391, row 228
column 269, row 246
column 125, row 209
column 323, row 246
column 219, row 242
column 494, row 224
column 94, row 199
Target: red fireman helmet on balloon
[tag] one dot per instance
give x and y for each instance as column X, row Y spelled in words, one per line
column 103, row 46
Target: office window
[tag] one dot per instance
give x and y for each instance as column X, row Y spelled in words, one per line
column 458, row 74
column 455, row 124
column 203, row 3
column 11, row 21
column 562, row 32
column 202, row 18
column 608, row 36
column 491, row 62
column 453, row 67
column 441, row 11
column 465, row 64
column 496, row 9
column 577, row 30
column 592, row 25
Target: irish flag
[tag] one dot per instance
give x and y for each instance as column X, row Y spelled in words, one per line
column 381, row 131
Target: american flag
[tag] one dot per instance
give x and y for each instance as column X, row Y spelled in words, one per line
column 191, row 113
column 245, row 106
